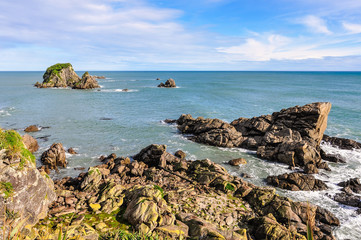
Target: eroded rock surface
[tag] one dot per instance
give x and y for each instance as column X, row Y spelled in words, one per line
column 342, row 143
column 30, row 143
column 54, row 156
column 175, row 198
column 170, row 83
column 291, row 136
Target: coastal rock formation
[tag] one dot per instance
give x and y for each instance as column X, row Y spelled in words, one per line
column 31, row 128
column 342, row 143
column 63, row 75
column 86, row 82
column 351, row 185
column 25, row 193
column 72, row 151
column 54, row 156
column 159, row 193
column 297, row 182
column 30, row 143
column 99, row 77
column 291, row 136
column 336, row 158
column 170, row 83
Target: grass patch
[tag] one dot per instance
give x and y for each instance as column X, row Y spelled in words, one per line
column 124, row 235
column 55, row 69
column 160, row 189
column 230, row 187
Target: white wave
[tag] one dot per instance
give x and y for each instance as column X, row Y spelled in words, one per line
column 6, row 111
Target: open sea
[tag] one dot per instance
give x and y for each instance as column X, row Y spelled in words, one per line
column 76, row 119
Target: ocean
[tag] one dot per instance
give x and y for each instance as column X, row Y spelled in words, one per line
column 108, row 121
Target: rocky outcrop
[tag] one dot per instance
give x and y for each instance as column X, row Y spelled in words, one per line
column 159, row 193
column 351, row 185
column 297, row 182
column 342, row 143
column 291, row 136
column 63, row 75
column 170, row 83
column 25, row 193
column 54, row 156
column 86, row 82
column 331, row 157
column 32, row 128
column 30, row 143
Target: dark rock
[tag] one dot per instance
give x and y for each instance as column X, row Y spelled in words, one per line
column 237, row 161
column 106, row 118
column 336, row 158
column 158, row 79
column 353, row 184
column 296, row 182
column 54, row 156
column 125, row 90
column 72, row 151
column 170, row 83
column 79, row 168
column 32, row 128
column 155, row 155
column 342, row 143
column 348, row 199
column 180, row 154
column 170, row 121
column 30, row 143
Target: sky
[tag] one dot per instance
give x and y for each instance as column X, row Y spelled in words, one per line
column 126, row 35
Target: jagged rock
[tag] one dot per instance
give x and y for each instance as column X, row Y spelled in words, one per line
column 30, row 143
column 25, row 193
column 91, row 180
column 155, row 155
column 297, row 182
column 54, row 156
column 86, row 82
column 291, row 136
column 237, row 161
column 337, row 158
column 63, row 75
column 31, row 128
column 267, row 227
column 348, row 199
column 147, row 207
column 342, row 143
column 353, row 184
column 99, row 77
column 170, row 83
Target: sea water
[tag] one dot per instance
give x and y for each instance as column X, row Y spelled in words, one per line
column 109, row 120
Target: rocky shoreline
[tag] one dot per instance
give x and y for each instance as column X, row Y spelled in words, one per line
column 165, row 195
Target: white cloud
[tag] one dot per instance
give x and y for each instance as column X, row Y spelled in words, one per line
column 315, row 24
column 276, row 47
column 352, row 27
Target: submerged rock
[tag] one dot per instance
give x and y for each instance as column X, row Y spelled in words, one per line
column 237, row 161
column 170, row 83
column 54, row 156
column 291, row 136
column 297, row 182
column 63, row 75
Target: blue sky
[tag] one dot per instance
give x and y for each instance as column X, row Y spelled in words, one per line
column 181, row 34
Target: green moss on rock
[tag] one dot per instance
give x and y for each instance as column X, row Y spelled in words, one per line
column 54, row 70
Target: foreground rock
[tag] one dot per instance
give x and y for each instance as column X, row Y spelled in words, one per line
column 291, row 136
column 297, row 182
column 342, row 143
column 54, row 156
column 170, row 83
column 30, row 143
column 63, row 75
column 159, row 193
column 25, row 193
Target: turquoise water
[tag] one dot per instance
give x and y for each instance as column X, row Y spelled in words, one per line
column 75, row 117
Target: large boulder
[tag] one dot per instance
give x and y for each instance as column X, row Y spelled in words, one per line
column 30, row 143
column 31, row 128
column 54, row 156
column 63, row 75
column 25, row 193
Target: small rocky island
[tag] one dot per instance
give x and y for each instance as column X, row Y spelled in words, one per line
column 170, row 83
column 62, row 75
